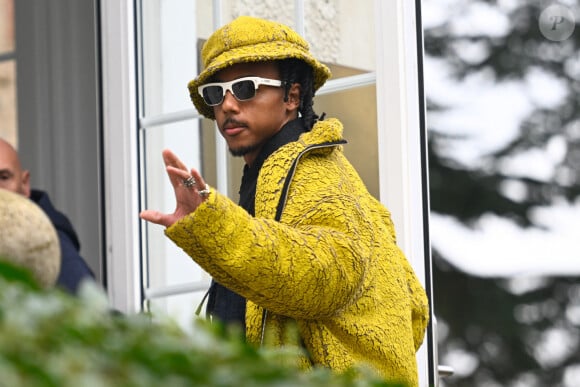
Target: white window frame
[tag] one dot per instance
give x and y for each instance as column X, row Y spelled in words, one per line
column 403, row 175
column 122, row 255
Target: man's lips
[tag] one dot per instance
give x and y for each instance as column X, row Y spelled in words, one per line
column 232, row 128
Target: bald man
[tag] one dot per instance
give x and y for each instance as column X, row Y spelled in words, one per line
column 73, row 268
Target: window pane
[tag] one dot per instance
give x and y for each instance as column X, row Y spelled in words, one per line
column 357, row 110
column 8, row 101
column 329, row 30
column 180, row 308
column 6, row 26
column 169, row 55
column 166, row 263
column 340, row 33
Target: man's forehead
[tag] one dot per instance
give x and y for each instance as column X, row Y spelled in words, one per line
column 8, row 158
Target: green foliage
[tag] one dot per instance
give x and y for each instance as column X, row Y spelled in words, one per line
column 48, row 338
column 13, row 273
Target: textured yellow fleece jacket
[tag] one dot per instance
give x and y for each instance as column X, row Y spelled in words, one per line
column 330, row 267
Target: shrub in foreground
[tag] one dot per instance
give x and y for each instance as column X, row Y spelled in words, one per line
column 48, row 338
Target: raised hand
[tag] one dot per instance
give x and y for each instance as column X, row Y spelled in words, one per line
column 190, row 191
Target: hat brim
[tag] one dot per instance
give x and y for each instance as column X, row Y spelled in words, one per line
column 261, row 52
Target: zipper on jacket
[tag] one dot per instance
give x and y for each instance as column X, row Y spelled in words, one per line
column 290, row 175
column 282, row 203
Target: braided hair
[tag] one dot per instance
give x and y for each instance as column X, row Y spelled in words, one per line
column 294, row 70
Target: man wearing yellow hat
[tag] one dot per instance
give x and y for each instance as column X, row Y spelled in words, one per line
column 307, row 247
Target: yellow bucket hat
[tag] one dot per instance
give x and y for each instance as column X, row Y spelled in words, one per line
column 249, row 39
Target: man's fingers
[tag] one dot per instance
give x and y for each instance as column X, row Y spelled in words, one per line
column 170, row 159
column 177, row 172
column 200, row 181
column 154, row 217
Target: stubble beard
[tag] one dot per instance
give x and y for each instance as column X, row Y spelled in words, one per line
column 242, row 151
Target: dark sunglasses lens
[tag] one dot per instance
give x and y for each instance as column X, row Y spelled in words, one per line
column 244, row 90
column 213, row 95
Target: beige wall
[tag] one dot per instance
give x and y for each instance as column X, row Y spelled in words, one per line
column 7, row 74
column 8, row 102
column 6, row 25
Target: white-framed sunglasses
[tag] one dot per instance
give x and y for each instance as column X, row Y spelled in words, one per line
column 242, row 88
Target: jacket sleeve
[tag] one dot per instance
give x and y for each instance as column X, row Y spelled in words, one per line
column 303, row 271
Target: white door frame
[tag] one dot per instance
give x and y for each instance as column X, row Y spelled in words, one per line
column 403, row 174
column 118, row 50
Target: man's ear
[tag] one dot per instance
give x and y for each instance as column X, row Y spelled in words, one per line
column 293, row 101
column 25, row 184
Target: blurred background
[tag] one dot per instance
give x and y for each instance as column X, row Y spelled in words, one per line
column 502, row 81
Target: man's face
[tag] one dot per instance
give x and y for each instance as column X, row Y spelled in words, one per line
column 12, row 177
column 248, row 125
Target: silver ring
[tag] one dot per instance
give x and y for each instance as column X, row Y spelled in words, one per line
column 204, row 193
column 189, row 182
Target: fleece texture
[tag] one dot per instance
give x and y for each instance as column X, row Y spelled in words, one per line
column 330, row 269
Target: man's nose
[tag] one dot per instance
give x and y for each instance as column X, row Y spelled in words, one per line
column 230, row 102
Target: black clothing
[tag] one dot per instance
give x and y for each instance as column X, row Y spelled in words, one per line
column 73, row 268
column 224, row 304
